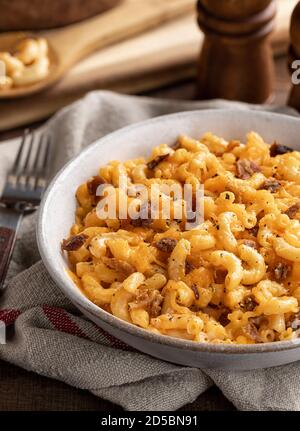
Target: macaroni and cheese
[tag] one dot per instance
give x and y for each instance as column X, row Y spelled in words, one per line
column 28, row 64
column 233, row 278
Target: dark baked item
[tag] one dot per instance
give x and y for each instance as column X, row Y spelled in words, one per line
column 42, row 14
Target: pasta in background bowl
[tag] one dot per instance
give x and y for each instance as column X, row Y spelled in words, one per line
column 222, row 294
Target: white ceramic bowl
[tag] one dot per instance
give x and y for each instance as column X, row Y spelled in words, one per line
column 57, row 215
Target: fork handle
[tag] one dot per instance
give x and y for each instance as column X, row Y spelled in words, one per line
column 8, row 234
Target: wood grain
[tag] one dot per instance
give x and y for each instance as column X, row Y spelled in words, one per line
column 41, row 14
column 73, row 43
column 236, row 62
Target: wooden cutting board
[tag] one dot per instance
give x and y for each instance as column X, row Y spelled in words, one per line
column 158, row 57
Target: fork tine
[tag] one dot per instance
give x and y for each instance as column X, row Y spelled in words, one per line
column 36, row 163
column 27, row 180
column 29, row 151
column 47, row 155
column 17, row 162
column 42, row 166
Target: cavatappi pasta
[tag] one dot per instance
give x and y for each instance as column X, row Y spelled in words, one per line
column 234, row 278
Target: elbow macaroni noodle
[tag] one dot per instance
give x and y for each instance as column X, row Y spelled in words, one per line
column 234, row 278
column 28, row 65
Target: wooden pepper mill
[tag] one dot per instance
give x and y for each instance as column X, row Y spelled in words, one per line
column 236, row 60
column 294, row 54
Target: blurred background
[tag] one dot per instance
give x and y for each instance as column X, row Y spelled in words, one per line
column 148, row 47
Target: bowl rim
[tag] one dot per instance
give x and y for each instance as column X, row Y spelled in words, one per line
column 65, row 283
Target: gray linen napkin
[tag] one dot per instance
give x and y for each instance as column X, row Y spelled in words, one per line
column 52, row 338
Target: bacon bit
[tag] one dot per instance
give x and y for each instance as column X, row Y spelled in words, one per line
column 248, row 304
column 119, row 265
column 294, row 321
column 141, row 222
column 94, row 183
column 292, row 211
column 219, row 276
column 145, row 220
column 246, row 168
column 251, row 331
column 195, row 290
column 281, row 271
column 189, row 267
column 253, row 231
column 166, row 245
column 155, row 308
column 176, row 145
column 153, row 163
column 256, row 321
column 232, row 145
column 270, row 184
column 74, row 242
column 277, row 149
column 150, row 300
column 250, row 243
column 223, row 319
column 124, row 223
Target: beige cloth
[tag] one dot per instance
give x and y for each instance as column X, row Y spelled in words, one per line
column 52, row 338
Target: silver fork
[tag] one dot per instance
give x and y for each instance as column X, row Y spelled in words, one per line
column 23, row 190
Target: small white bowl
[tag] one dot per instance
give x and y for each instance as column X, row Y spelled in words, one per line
column 57, row 215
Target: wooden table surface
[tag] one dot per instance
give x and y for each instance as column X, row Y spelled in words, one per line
column 23, row 390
